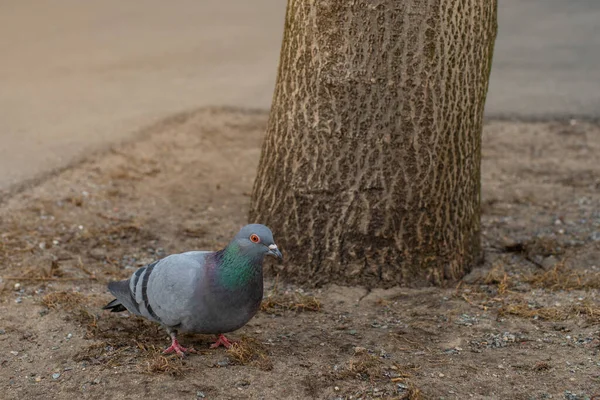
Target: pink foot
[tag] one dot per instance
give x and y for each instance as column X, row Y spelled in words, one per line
column 222, row 340
column 177, row 348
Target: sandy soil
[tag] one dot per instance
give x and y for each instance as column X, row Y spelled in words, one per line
column 526, row 325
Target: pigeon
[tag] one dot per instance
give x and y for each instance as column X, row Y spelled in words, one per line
column 200, row 291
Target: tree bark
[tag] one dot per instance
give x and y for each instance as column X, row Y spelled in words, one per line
column 370, row 168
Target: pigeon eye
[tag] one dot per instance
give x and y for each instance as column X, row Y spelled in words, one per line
column 254, row 238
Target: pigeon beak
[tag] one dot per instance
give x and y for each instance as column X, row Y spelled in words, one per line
column 274, row 251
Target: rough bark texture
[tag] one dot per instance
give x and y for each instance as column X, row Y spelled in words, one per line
column 370, row 169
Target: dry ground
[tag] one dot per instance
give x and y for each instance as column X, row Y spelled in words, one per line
column 526, row 325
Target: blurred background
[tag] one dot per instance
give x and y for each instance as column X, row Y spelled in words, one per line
column 76, row 76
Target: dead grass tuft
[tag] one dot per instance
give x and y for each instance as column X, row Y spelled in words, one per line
column 63, row 300
column 364, row 366
column 404, row 375
column 250, row 352
column 561, row 277
column 587, row 310
column 412, row 393
column 524, row 310
column 157, row 363
column 542, row 366
column 498, row 276
column 277, row 302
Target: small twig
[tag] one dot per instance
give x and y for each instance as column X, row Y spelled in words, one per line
column 460, row 283
column 113, row 218
column 80, row 266
column 23, row 278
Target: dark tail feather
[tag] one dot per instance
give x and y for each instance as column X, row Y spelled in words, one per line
column 114, row 306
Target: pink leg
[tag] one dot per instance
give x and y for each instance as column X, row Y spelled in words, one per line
column 222, row 340
column 177, row 348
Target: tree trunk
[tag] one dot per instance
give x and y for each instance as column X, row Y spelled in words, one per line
column 370, row 169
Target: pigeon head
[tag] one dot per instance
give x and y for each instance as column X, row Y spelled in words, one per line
column 257, row 239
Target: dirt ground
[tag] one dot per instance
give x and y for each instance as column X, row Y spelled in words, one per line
column 526, row 325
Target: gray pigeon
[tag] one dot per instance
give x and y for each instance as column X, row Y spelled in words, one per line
column 200, row 291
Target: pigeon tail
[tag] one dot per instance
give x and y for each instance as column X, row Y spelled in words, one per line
column 124, row 298
column 114, row 306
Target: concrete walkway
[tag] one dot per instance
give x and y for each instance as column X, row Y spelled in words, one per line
column 77, row 75
column 546, row 60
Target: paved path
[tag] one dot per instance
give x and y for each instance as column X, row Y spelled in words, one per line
column 547, row 59
column 77, row 75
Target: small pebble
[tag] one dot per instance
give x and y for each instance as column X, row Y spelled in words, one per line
column 18, row 300
column 441, row 375
column 223, row 363
column 2, row 332
column 69, row 336
column 14, row 353
column 55, row 375
column 200, row 395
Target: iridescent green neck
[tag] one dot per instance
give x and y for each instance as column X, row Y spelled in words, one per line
column 236, row 269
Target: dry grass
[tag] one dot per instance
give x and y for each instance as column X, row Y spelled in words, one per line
column 405, row 377
column 368, row 367
column 157, row 363
column 413, row 393
column 363, row 365
column 76, row 310
column 523, row 310
column 561, row 277
column 590, row 311
column 250, row 352
column 277, row 302
column 542, row 366
column 63, row 300
column 498, row 276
